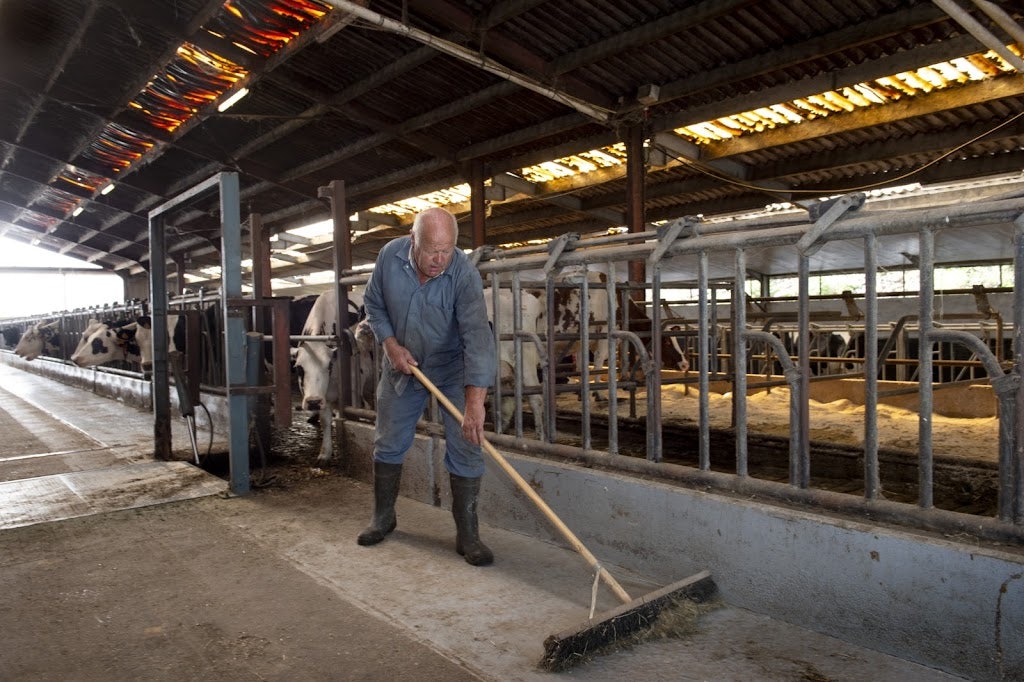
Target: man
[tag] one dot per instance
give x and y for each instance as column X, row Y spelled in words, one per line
column 425, row 304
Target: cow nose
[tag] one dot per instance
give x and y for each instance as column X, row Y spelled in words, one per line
column 313, row 405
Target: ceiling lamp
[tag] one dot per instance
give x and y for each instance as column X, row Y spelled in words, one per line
column 231, row 101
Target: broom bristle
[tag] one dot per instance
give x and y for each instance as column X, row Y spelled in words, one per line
column 565, row 649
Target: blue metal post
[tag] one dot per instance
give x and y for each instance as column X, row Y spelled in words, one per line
column 234, row 333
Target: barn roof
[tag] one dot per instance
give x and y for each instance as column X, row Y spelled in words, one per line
column 738, row 103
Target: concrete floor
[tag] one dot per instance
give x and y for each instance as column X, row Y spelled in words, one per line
column 85, row 492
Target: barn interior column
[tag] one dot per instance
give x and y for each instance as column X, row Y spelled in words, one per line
column 477, row 208
column 636, row 169
column 335, row 194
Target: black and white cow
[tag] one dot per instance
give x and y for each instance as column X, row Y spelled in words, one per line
column 672, row 356
column 316, row 364
column 42, row 338
column 531, row 312
column 9, row 336
column 103, row 342
column 567, row 316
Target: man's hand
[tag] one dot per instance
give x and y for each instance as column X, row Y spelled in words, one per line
column 398, row 355
column 473, row 418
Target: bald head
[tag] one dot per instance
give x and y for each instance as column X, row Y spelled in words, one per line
column 434, row 234
column 437, row 222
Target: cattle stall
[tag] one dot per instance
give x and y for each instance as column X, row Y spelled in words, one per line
column 943, row 359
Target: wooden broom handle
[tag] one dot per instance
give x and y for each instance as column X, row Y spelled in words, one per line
column 612, row 583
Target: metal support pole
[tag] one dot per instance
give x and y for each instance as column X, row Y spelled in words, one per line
column 803, row 415
column 1016, row 474
column 478, row 210
column 705, row 351
column 739, row 362
column 872, row 475
column 335, row 193
column 234, row 332
column 653, row 379
column 924, row 379
column 583, row 359
column 613, row 364
column 158, row 311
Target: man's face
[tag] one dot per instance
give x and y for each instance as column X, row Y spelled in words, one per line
column 434, row 252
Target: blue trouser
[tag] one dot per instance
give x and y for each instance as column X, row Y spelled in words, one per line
column 396, row 426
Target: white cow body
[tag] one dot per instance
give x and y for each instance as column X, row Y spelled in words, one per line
column 531, row 312
column 316, row 363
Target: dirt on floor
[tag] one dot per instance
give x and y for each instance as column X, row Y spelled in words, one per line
column 175, row 592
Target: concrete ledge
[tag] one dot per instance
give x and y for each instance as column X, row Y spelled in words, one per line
column 127, row 389
column 927, row 599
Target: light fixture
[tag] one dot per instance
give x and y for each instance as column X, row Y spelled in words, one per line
column 35, row 241
column 108, row 188
column 77, row 212
column 230, row 101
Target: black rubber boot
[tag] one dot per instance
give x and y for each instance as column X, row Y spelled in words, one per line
column 467, row 539
column 386, row 479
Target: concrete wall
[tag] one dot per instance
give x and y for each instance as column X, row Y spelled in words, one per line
column 948, row 605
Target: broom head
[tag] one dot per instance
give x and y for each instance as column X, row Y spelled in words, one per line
column 565, row 649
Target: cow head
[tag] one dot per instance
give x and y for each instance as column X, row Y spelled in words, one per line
column 314, row 365
column 105, row 341
column 35, row 338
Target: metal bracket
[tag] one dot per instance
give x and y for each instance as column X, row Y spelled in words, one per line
column 567, row 242
column 485, row 252
column 667, row 235
column 1006, row 385
column 981, row 301
column 825, row 214
column 851, row 306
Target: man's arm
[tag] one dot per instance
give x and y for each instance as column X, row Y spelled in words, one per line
column 473, row 422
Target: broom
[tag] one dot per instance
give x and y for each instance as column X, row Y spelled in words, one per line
column 569, row 647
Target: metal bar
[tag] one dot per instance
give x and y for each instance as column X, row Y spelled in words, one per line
column 653, row 375
column 474, row 58
column 158, row 312
column 552, row 363
column 704, row 363
column 613, row 364
column 342, row 255
column 233, row 342
column 803, row 430
column 963, row 214
column 583, row 358
column 496, row 331
column 1015, row 476
column 517, row 352
column 1002, row 19
column 739, row 364
column 872, row 477
column 793, row 380
column 282, row 368
column 926, row 465
column 984, row 36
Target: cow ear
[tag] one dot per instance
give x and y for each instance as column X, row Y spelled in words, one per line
column 50, row 325
column 131, row 326
column 144, row 321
